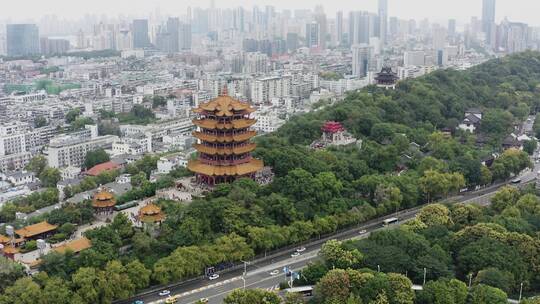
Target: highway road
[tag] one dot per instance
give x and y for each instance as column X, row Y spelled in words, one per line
column 258, row 272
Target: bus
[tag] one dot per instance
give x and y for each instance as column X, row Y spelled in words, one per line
column 305, row 291
column 390, row 221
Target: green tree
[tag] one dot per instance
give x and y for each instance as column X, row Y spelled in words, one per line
column 138, row 274
column 95, row 157
column 505, row 197
column 9, row 272
column 436, row 184
column 56, row 291
column 87, row 283
column 400, row 289
column 443, row 291
column 494, row 277
column 435, row 214
column 72, row 115
column 23, row 291
column 119, row 284
column 40, row 121
column 158, row 101
column 530, row 146
column 334, row 286
column 335, row 256
column 483, row 294
column 381, row 299
column 49, row 177
column 252, row 296
column 37, row 164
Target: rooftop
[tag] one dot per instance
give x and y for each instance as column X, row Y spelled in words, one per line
column 97, row 169
column 76, row 246
column 224, row 106
column 36, row 229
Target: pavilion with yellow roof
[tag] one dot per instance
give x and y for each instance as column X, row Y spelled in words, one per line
column 151, row 214
column 103, row 201
column 224, row 146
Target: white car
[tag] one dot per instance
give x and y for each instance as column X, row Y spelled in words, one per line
column 295, row 254
column 215, row 276
column 301, row 249
column 274, row 272
column 363, row 231
column 164, row 293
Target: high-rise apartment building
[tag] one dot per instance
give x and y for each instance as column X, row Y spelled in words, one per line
column 488, row 20
column 140, row 33
column 22, row 39
column 360, row 59
column 451, row 27
column 54, row 46
column 173, row 28
column 320, row 18
column 359, row 28
column 184, row 39
column 339, row 27
column 383, row 21
column 313, row 35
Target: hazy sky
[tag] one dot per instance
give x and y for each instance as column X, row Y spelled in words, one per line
column 516, row 10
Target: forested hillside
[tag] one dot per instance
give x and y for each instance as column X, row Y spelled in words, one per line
column 314, row 192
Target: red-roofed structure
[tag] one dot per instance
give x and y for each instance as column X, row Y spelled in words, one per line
column 334, row 134
column 332, row 127
column 97, row 169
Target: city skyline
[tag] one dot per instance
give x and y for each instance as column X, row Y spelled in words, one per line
column 438, row 10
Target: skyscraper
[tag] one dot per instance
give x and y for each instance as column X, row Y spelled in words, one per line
column 173, row 28
column 22, row 39
column 359, row 27
column 140, row 33
column 360, row 59
column 312, row 35
column 383, row 20
column 488, row 20
column 184, row 36
column 452, row 27
column 320, row 18
column 339, row 27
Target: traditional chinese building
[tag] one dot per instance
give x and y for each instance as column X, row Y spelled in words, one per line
column 151, row 214
column 334, row 134
column 75, row 246
column 224, row 148
column 386, row 78
column 103, row 202
column 41, row 230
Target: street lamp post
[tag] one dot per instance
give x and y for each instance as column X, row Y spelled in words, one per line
column 244, row 274
column 520, row 291
column 378, row 268
column 425, row 272
column 470, row 280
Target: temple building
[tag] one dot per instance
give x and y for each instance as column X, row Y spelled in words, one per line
column 334, row 134
column 224, row 146
column 41, row 230
column 75, row 246
column 151, row 214
column 386, row 78
column 103, row 202
column 10, row 245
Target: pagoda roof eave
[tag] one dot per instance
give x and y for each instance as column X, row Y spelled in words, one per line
column 250, row 167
